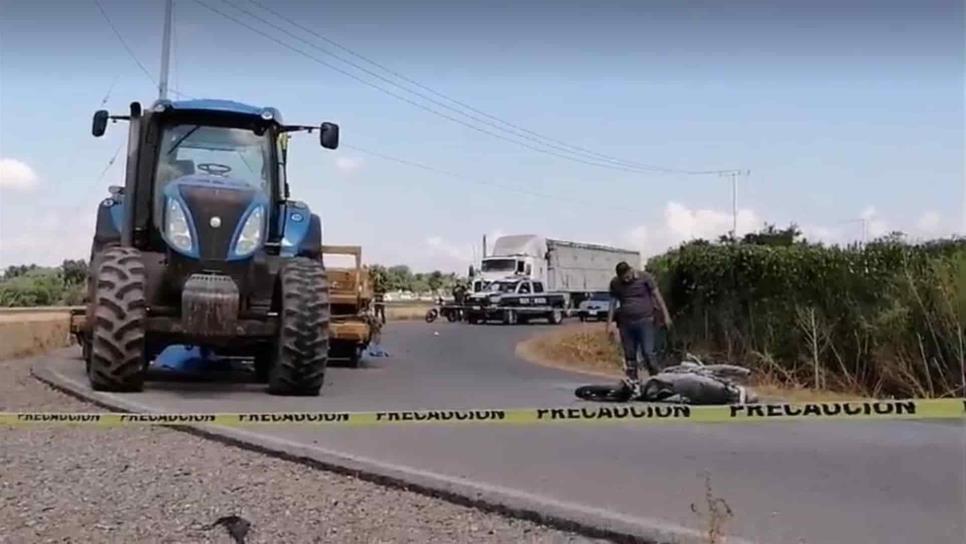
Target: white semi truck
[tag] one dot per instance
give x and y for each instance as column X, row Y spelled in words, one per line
column 573, row 268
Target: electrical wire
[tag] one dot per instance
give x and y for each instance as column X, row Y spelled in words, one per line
column 582, row 202
column 418, row 104
column 129, row 51
column 534, row 136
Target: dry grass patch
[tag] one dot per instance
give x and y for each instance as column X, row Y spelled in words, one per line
column 579, row 348
column 585, row 348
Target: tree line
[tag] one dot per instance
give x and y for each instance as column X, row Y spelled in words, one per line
column 402, row 278
column 65, row 285
column 33, row 285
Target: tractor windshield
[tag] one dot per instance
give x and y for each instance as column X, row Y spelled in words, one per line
column 235, row 153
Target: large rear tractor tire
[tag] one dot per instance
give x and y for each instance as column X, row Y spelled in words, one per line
column 302, row 344
column 117, row 361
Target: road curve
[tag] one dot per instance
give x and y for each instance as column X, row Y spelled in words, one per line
column 823, row 482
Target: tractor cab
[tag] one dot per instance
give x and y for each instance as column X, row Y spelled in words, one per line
column 219, row 158
column 206, row 219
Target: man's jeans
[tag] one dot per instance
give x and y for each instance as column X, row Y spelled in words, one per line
column 639, row 337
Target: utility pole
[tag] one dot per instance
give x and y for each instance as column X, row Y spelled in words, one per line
column 165, row 50
column 733, row 174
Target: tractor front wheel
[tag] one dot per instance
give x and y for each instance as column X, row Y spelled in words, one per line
column 302, row 343
column 117, row 361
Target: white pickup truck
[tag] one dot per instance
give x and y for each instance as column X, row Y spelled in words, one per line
column 513, row 301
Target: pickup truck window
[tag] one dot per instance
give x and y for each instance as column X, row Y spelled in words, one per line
column 537, row 287
column 524, row 288
column 502, row 287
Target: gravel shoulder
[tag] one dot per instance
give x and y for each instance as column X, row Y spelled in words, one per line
column 160, row 485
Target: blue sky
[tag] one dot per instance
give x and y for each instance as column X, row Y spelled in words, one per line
column 841, row 111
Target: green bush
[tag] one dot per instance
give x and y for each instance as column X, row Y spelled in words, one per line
column 26, row 286
column 883, row 319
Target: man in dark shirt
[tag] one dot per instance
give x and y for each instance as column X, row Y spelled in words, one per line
column 640, row 310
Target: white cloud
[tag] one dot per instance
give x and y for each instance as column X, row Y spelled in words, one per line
column 448, row 255
column 348, row 164
column 875, row 225
column 686, row 224
column 930, row 223
column 829, row 235
column 47, row 239
column 682, row 224
column 462, row 253
column 16, row 175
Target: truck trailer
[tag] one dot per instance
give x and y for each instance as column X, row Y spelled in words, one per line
column 574, row 268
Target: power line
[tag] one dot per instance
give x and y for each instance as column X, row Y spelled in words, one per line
column 481, row 117
column 396, row 95
column 534, row 136
column 582, row 202
column 127, row 48
column 124, row 44
column 107, row 95
column 419, row 105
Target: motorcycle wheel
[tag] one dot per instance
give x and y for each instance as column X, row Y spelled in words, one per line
column 604, row 393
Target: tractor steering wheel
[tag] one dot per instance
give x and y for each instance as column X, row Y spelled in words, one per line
column 214, row 168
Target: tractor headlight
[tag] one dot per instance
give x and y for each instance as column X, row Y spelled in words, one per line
column 250, row 236
column 176, row 227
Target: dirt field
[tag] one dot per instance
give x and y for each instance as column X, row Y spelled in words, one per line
column 23, row 334
column 27, row 332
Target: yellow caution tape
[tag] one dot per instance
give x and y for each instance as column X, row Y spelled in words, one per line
column 597, row 413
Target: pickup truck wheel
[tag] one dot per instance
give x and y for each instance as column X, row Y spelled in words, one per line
column 117, row 361
column 301, row 350
column 556, row 317
column 509, row 317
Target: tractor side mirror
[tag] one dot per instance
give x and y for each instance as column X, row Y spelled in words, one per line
column 100, row 123
column 329, row 135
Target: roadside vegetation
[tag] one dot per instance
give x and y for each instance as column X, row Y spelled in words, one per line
column 32, row 285
column 400, row 279
column 884, row 319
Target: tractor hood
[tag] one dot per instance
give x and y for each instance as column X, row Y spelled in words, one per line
column 214, row 218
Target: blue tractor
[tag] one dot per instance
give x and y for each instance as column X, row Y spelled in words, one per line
column 203, row 246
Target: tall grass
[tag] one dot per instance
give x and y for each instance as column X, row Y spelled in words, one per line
column 885, row 319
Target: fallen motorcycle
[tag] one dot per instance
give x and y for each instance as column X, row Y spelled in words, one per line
column 690, row 382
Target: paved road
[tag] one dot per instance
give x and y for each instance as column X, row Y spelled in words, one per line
column 804, row 482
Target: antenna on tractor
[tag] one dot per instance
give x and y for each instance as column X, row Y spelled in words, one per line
column 165, row 50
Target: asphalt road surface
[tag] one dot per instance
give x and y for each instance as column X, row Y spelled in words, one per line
column 822, row 482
